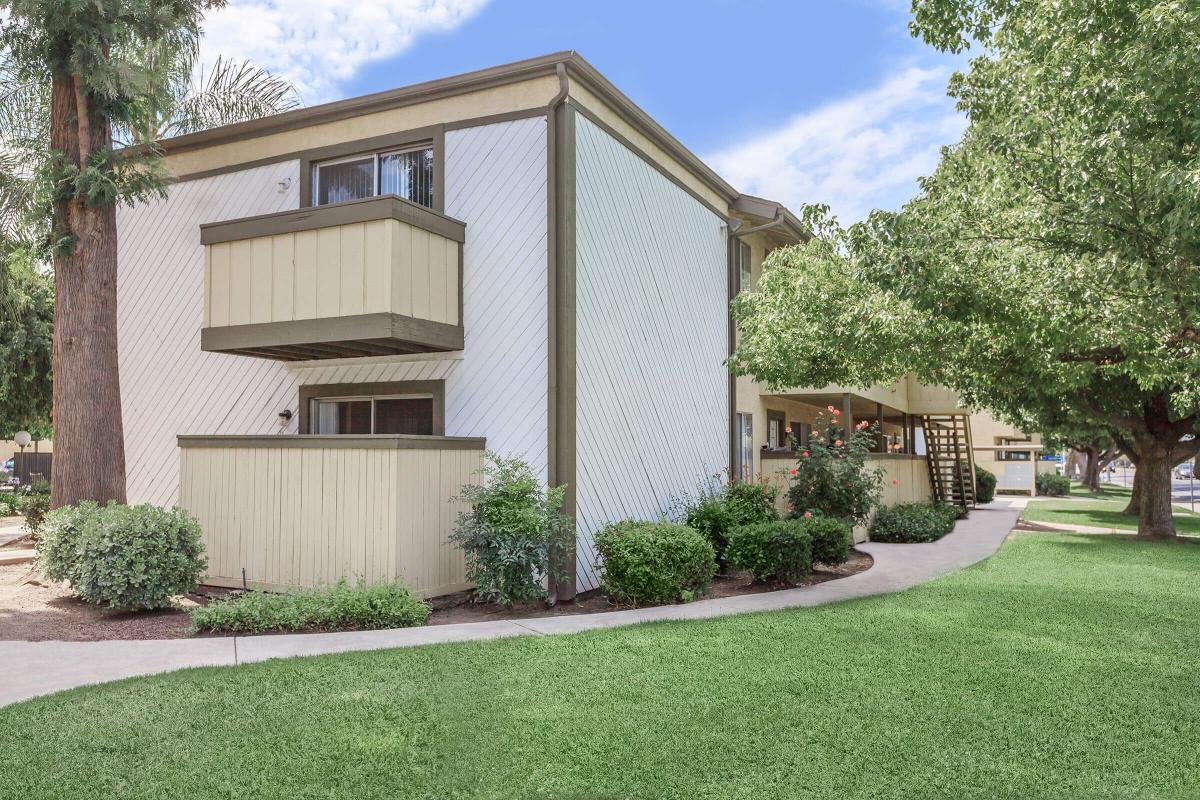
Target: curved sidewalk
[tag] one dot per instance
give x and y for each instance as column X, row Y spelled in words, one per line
column 28, row 669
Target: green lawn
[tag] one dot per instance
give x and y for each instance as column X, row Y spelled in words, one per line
column 1063, row 667
column 1103, row 511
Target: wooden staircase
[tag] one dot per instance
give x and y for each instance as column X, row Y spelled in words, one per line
column 949, row 456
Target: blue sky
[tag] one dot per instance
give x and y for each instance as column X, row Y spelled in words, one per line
column 798, row 101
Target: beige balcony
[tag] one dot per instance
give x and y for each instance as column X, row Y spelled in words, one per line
column 368, row 277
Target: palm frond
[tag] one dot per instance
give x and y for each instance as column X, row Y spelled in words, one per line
column 232, row 91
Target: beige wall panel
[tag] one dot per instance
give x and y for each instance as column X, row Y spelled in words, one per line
column 352, row 268
column 329, row 289
column 261, row 279
column 530, row 94
column 218, row 289
column 420, row 273
column 241, row 261
column 283, row 277
column 377, row 273
column 305, row 285
column 402, row 269
column 309, row 516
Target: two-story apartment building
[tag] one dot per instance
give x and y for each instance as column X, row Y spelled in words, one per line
column 338, row 308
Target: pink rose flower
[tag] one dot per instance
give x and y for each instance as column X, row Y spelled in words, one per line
column 838, row 443
column 805, row 454
column 831, row 409
column 895, row 482
column 788, row 429
column 793, row 472
column 808, row 515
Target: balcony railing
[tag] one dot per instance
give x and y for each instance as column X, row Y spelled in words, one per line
column 367, row 277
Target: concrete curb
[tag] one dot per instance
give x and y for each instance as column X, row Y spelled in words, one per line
column 36, row 668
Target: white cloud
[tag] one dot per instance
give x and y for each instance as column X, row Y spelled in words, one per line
column 856, row 154
column 318, row 44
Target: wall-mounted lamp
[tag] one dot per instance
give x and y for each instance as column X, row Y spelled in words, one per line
column 286, row 415
column 284, row 185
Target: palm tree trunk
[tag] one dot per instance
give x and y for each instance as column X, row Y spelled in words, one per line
column 89, row 457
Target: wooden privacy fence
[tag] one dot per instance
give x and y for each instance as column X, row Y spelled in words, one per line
column 307, row 510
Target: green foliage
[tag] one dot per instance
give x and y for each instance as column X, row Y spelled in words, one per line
column 780, row 550
column 733, row 505
column 26, row 344
column 8, row 503
column 831, row 539
column 1052, row 485
column 653, row 562
column 513, row 533
column 339, row 607
column 122, row 557
column 985, row 485
column 1049, row 269
column 33, row 504
column 832, row 477
column 913, row 522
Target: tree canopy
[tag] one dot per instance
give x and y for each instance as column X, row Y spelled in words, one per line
column 1049, row 269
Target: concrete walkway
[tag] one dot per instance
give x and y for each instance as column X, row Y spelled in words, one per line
column 28, row 669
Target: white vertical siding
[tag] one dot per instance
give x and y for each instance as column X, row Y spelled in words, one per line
column 651, row 340
column 495, row 183
column 168, row 385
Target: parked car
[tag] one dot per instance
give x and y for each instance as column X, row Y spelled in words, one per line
column 1185, row 471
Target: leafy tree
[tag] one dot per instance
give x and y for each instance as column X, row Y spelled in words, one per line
column 84, row 51
column 1049, row 270
column 26, row 347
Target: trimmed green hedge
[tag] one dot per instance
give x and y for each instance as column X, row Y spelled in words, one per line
column 654, row 562
column 1052, row 485
column 914, row 522
column 736, row 504
column 985, row 485
column 831, row 539
column 331, row 608
column 780, row 550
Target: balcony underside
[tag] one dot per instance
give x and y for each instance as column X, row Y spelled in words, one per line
column 334, row 337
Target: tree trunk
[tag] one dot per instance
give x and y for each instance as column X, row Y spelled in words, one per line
column 1155, row 519
column 1091, row 474
column 89, row 448
column 1134, row 509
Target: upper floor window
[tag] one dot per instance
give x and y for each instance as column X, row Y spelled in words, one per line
column 742, row 262
column 407, row 173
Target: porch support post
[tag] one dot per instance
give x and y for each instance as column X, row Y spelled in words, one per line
column 880, row 440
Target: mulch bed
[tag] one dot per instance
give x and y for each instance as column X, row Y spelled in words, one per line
column 459, row 607
column 35, row 609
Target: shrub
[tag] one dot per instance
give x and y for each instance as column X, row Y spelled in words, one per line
column 736, row 504
column 831, row 539
column 1052, row 485
column 985, row 485
column 750, row 503
column 653, row 562
column 337, row 607
column 913, row 522
column 780, row 550
column 123, row 557
column 33, row 503
column 832, row 477
column 513, row 533
column 8, row 504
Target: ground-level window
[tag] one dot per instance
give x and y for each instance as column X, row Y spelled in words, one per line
column 412, row 414
column 745, row 449
column 407, row 173
column 801, row 431
column 397, row 407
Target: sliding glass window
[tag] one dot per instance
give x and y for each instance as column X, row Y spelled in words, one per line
column 407, row 173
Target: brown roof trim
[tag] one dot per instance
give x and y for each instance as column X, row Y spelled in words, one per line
column 769, row 209
column 370, row 103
